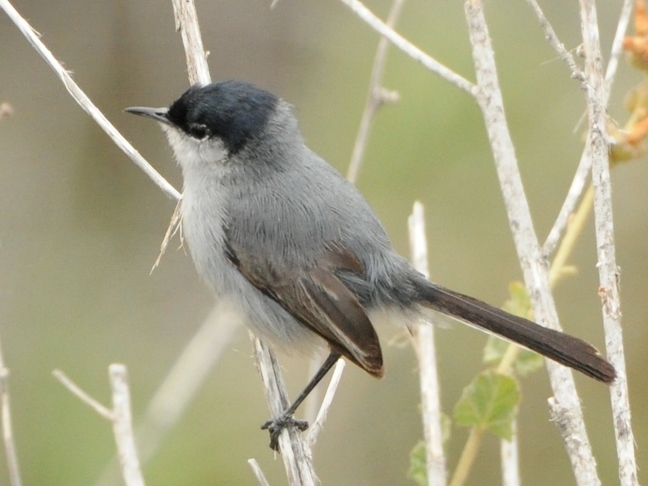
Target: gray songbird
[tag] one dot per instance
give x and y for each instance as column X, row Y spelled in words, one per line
column 274, row 228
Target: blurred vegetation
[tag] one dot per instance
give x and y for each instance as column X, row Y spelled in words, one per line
column 80, row 228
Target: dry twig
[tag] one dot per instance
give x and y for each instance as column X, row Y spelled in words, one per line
column 424, row 345
column 582, row 172
column 526, row 243
column 295, row 452
column 181, row 384
column 120, row 416
column 603, row 222
column 317, row 426
column 7, row 429
column 410, row 49
column 258, row 473
column 376, row 97
column 82, row 99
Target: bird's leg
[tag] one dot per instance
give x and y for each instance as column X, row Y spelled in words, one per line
column 276, row 425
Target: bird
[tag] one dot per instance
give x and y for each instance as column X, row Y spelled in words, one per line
column 276, row 229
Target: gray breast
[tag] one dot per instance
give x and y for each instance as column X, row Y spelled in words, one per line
column 202, row 222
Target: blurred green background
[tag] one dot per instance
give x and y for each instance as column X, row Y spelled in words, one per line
column 80, row 228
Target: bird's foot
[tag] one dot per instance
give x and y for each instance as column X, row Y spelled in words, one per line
column 276, row 425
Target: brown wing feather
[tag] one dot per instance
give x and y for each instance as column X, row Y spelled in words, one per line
column 319, row 300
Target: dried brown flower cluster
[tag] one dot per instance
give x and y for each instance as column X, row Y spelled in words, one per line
column 631, row 138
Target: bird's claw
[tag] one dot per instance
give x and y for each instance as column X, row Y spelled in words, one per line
column 276, row 425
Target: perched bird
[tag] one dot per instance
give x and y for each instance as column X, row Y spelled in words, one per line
column 274, row 228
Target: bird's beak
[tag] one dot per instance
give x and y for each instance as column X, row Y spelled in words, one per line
column 158, row 114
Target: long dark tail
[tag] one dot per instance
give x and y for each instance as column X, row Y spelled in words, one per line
column 558, row 346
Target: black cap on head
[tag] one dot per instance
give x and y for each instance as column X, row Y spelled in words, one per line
column 232, row 111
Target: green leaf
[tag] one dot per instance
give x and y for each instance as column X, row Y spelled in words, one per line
column 490, row 403
column 418, row 467
column 417, row 470
column 518, row 302
column 527, row 361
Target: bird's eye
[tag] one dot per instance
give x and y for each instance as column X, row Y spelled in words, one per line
column 199, row 131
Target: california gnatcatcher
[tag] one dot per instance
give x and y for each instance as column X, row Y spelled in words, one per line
column 295, row 246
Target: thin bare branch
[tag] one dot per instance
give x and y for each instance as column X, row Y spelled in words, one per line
column 467, row 458
column 424, row 345
column 510, row 460
column 123, row 426
column 526, row 243
column 258, row 473
column 7, row 429
column 186, row 22
column 175, row 226
column 603, row 220
column 580, row 177
column 573, row 196
column 376, row 97
column 551, row 36
column 582, row 172
column 187, row 375
column 317, row 426
column 294, row 450
column 617, row 47
column 410, row 49
column 82, row 99
column 119, row 416
column 76, row 390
